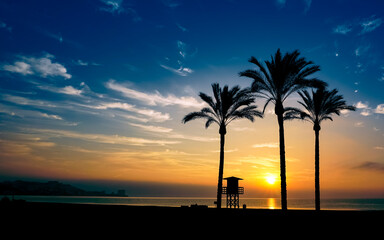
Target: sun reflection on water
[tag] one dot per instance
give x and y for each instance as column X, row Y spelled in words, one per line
column 271, row 203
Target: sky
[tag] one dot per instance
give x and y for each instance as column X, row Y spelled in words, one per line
column 92, row 93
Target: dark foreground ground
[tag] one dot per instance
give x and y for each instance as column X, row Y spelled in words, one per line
column 149, row 221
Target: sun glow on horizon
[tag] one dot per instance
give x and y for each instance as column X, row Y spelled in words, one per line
column 270, row 178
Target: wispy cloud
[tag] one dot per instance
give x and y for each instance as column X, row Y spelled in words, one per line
column 26, row 101
column 242, row 129
column 345, row 112
column 154, row 99
column 151, row 115
column 43, row 67
column 186, row 50
column 89, row 101
column 19, row 67
column 366, row 110
column 70, row 90
column 359, row 124
column 266, row 145
column 51, row 116
column 360, row 68
column 380, row 109
column 259, row 162
column 361, row 105
column 182, row 71
column 370, row 24
column 182, row 48
column 22, row 113
column 375, row 166
column 381, row 79
column 367, row 25
column 181, row 27
column 64, row 90
column 23, row 148
column 80, row 62
column 100, row 138
column 112, row 6
column 343, row 29
column 116, row 6
column 192, row 138
column 151, row 128
column 361, row 50
column 226, row 151
column 56, row 36
column 168, row 133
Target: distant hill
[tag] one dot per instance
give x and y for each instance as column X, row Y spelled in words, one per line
column 51, row 188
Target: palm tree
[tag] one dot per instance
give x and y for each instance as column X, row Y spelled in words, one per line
column 319, row 107
column 227, row 106
column 282, row 76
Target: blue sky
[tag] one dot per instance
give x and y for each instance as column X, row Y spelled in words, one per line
column 77, row 76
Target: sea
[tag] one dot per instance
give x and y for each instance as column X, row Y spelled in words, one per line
column 252, row 203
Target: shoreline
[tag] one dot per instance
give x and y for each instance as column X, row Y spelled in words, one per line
column 251, row 203
column 47, row 207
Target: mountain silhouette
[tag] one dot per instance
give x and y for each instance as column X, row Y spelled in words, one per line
column 50, row 188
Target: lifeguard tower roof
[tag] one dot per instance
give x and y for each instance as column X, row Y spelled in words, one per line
column 230, row 178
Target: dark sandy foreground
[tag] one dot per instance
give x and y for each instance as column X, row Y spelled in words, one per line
column 92, row 220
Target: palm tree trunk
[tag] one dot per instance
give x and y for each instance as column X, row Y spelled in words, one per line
column 282, row 163
column 317, row 170
column 221, row 170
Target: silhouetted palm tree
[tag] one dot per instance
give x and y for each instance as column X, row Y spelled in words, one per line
column 227, row 105
column 320, row 106
column 281, row 77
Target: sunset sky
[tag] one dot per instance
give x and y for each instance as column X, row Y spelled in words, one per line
column 92, row 92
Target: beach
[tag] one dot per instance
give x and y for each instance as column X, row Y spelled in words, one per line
column 93, row 218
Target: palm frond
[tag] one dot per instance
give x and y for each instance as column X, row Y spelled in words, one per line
column 226, row 106
column 281, row 76
column 306, row 117
column 325, row 118
column 261, row 68
column 266, row 103
column 308, row 103
column 321, row 104
column 291, row 113
column 210, row 120
column 259, row 82
column 194, row 115
column 243, row 101
column 249, row 113
column 208, row 111
column 207, row 99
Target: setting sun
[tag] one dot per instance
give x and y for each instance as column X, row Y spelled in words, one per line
column 271, row 179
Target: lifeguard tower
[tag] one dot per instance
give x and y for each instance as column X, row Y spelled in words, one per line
column 232, row 190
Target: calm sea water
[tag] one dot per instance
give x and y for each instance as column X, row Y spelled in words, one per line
column 256, row 203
